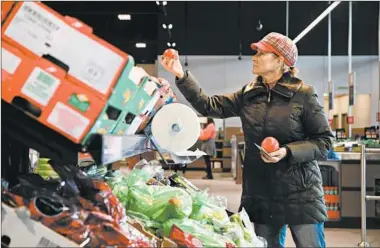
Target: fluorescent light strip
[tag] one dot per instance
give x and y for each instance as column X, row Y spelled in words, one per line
column 140, row 45
column 124, row 17
column 316, row 21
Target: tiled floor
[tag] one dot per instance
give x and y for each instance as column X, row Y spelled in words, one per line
column 223, row 185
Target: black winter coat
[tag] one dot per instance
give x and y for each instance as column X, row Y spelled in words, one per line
column 290, row 191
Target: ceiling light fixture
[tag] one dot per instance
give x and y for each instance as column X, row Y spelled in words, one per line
column 140, row 45
column 124, row 17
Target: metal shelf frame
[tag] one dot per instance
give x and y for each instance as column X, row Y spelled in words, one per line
column 363, row 196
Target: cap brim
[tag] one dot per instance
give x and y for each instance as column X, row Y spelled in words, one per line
column 260, row 46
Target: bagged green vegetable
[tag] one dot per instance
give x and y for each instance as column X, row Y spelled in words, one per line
column 242, row 231
column 181, row 182
column 204, row 209
column 121, row 192
column 45, row 170
column 143, row 219
column 160, row 203
column 201, row 232
column 96, row 172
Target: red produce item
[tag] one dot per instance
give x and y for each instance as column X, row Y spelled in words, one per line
column 171, row 53
column 270, row 144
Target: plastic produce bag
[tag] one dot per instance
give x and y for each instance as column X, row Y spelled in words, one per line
column 96, row 172
column 143, row 219
column 139, row 176
column 45, row 170
column 204, row 209
column 184, row 239
column 220, row 201
column 181, row 182
column 160, row 203
column 141, row 173
column 242, row 232
column 199, row 231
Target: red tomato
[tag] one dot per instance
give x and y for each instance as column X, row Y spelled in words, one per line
column 171, row 53
column 270, row 144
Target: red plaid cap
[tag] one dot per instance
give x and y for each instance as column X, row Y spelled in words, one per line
column 280, row 45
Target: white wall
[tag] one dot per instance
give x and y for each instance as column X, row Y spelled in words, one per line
column 225, row 74
column 361, row 110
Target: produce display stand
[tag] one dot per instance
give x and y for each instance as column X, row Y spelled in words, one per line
column 107, row 112
column 105, row 149
column 21, row 133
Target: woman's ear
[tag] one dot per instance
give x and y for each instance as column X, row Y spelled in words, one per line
column 280, row 62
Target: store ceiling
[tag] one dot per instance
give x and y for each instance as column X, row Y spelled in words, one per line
column 216, row 28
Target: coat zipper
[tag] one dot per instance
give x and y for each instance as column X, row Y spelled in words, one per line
column 267, row 173
column 267, row 108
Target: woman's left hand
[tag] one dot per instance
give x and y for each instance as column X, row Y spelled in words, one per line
column 275, row 157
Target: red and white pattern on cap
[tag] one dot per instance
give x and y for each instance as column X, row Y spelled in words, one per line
column 284, row 46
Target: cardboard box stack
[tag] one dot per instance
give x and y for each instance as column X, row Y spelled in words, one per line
column 57, row 71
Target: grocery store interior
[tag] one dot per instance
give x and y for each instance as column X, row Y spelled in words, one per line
column 100, row 147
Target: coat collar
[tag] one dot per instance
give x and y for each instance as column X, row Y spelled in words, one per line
column 286, row 86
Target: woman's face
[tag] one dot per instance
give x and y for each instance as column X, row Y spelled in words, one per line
column 265, row 62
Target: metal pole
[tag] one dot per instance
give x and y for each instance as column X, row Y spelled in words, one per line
column 287, row 18
column 349, row 63
column 378, row 107
column 363, row 165
column 372, row 197
column 329, row 79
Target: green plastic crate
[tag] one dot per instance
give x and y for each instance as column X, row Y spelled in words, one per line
column 145, row 94
column 122, row 96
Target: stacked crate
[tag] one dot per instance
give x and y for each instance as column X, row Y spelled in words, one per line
column 58, row 72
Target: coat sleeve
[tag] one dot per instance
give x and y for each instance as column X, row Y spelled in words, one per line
column 219, row 106
column 319, row 137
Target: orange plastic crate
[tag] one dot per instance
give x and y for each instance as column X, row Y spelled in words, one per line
column 24, row 77
column 6, row 6
column 73, row 111
column 36, row 30
column 40, row 88
column 11, row 60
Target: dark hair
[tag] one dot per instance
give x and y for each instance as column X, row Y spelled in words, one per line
column 209, row 121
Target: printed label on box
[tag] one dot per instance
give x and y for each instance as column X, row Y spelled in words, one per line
column 68, row 120
column 34, row 234
column 92, row 63
column 137, row 74
column 33, row 27
column 44, row 242
column 40, row 86
column 9, row 61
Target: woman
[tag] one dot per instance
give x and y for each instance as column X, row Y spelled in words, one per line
column 207, row 137
column 285, row 188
